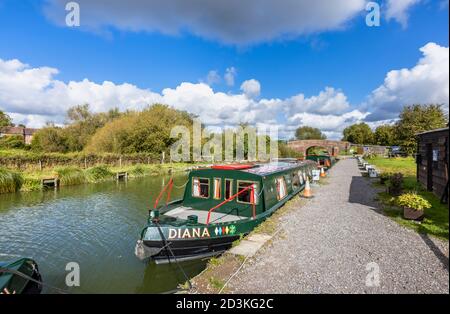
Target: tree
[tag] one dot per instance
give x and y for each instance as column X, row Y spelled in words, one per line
column 82, row 125
column 49, row 139
column 145, row 131
column 359, row 133
column 415, row 119
column 5, row 120
column 309, row 133
column 385, row 135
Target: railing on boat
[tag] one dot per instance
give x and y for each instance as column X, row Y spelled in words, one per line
column 168, row 186
column 252, row 201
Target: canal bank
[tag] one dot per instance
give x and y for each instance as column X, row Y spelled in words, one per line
column 338, row 242
column 27, row 180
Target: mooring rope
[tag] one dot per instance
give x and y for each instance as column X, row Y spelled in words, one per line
column 168, row 248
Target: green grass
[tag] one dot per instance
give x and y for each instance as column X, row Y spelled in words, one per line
column 405, row 165
column 216, row 283
column 10, row 181
column 435, row 222
column 70, row 175
column 98, row 174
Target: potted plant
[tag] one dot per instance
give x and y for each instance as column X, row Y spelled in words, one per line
column 413, row 206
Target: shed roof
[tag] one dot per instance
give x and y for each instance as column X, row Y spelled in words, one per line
column 433, row 131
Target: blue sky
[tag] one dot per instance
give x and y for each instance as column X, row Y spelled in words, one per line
column 346, row 55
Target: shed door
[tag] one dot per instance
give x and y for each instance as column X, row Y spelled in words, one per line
column 430, row 167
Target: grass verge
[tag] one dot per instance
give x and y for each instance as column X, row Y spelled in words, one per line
column 436, row 218
column 10, row 181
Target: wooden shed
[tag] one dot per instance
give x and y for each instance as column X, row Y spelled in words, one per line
column 432, row 161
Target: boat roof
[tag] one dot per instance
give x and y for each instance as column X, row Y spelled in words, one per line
column 259, row 169
column 273, row 167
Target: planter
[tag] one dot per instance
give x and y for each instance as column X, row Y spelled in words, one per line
column 412, row 214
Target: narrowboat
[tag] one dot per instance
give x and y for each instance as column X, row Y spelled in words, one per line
column 220, row 204
column 323, row 160
column 20, row 277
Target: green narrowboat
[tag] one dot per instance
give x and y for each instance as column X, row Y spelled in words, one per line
column 220, row 204
column 323, row 160
column 20, row 277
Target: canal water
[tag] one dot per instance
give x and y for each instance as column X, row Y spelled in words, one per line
column 94, row 225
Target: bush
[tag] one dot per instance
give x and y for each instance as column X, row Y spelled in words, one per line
column 13, row 141
column 145, row 131
column 137, row 171
column 384, row 177
column 10, row 181
column 414, row 201
column 70, row 175
column 396, row 184
column 98, row 173
column 49, row 139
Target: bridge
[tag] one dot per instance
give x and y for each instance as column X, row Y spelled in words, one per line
column 333, row 147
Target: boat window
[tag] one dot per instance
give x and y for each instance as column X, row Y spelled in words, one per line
column 248, row 196
column 281, row 188
column 200, row 187
column 295, row 181
column 217, row 188
column 228, row 188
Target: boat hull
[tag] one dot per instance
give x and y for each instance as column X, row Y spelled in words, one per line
column 182, row 250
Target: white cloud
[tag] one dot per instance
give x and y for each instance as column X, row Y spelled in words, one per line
column 331, row 123
column 232, row 21
column 230, row 74
column 328, row 101
column 426, row 82
column 34, row 96
column 398, row 10
column 251, row 88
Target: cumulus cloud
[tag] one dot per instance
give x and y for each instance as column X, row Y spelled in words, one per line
column 398, row 10
column 332, row 124
column 426, row 82
column 251, row 88
column 328, row 101
column 34, row 96
column 232, row 21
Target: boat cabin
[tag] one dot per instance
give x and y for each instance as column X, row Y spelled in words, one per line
column 232, row 192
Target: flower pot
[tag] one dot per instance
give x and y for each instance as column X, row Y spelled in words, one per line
column 412, row 214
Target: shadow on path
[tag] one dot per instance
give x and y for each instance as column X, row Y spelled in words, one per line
column 361, row 192
column 441, row 256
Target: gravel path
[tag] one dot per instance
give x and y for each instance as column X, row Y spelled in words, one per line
column 330, row 245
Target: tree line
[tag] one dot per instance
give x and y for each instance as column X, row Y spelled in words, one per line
column 149, row 130
column 413, row 119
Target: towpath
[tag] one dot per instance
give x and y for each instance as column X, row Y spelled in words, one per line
column 339, row 242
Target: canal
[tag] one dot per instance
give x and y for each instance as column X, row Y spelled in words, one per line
column 94, row 225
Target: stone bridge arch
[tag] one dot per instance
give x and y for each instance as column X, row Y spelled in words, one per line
column 333, row 147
